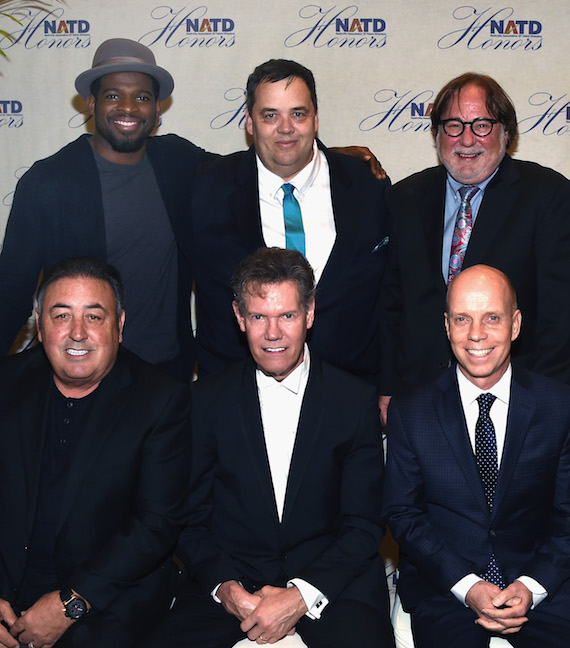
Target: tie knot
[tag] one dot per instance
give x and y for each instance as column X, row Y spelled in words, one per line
column 288, row 188
column 467, row 192
column 485, row 401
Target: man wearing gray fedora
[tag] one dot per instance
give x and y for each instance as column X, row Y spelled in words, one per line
column 119, row 195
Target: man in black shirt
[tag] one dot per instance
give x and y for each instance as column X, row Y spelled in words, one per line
column 92, row 472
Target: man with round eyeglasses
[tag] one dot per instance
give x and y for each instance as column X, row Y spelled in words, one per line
column 478, row 206
column 480, row 126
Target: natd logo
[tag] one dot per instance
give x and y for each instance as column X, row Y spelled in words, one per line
column 48, row 30
column 235, row 115
column 550, row 115
column 407, row 111
column 185, row 27
column 342, row 28
column 493, row 29
column 11, row 115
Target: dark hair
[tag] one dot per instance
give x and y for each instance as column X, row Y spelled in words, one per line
column 499, row 104
column 87, row 267
column 277, row 70
column 95, row 86
column 273, row 266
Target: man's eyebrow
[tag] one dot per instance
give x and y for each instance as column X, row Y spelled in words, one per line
column 149, row 92
column 86, row 307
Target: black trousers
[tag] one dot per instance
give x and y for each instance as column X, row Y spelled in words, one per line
column 442, row 621
column 197, row 621
column 100, row 630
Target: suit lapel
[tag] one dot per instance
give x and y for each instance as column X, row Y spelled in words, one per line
column 244, row 202
column 452, row 418
column 431, row 200
column 494, row 211
column 254, row 440
column 32, row 433
column 308, row 432
column 521, row 407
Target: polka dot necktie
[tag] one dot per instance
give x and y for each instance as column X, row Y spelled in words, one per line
column 294, row 232
column 461, row 233
column 486, row 456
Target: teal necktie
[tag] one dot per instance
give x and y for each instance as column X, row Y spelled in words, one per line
column 294, row 232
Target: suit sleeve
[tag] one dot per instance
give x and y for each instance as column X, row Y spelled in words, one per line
column 22, row 255
column 551, row 355
column 197, row 546
column 406, row 511
column 159, row 509
column 391, row 311
column 357, row 540
column 551, row 563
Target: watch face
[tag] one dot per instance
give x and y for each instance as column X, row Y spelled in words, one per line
column 76, row 608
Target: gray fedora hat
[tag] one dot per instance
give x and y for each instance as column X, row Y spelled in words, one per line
column 124, row 55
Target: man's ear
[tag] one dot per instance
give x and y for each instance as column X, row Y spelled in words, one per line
column 122, row 319
column 91, row 105
column 38, row 327
column 311, row 313
column 239, row 317
column 446, row 320
column 248, row 122
column 517, row 323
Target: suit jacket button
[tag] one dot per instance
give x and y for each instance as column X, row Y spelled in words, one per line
column 492, row 533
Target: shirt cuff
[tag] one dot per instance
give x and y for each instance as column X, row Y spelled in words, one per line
column 214, row 592
column 460, row 589
column 538, row 592
column 314, row 599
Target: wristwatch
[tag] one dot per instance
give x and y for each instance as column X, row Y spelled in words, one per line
column 75, row 607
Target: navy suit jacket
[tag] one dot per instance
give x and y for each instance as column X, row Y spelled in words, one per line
column 331, row 527
column 226, row 226
column 125, row 499
column 434, row 499
column 522, row 228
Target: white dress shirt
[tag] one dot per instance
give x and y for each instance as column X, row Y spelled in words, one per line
column 313, row 192
column 498, row 413
column 280, row 403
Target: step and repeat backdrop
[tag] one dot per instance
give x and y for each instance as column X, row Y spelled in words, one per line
column 378, row 66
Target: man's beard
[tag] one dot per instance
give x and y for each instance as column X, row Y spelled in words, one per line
column 126, row 144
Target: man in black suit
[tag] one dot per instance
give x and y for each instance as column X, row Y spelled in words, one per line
column 93, row 472
column 285, row 490
column 238, row 206
column 478, row 482
column 520, row 220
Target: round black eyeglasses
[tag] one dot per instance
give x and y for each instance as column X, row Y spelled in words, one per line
column 480, row 127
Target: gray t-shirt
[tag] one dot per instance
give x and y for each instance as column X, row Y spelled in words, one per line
column 141, row 245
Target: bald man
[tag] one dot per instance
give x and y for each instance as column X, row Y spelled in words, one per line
column 478, row 485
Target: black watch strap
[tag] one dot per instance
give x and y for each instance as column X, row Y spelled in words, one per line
column 75, row 607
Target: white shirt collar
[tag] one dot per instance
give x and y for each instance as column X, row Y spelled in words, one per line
column 294, row 382
column 470, row 392
column 270, row 184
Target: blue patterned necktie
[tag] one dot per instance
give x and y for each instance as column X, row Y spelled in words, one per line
column 294, row 232
column 486, row 456
column 461, row 232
